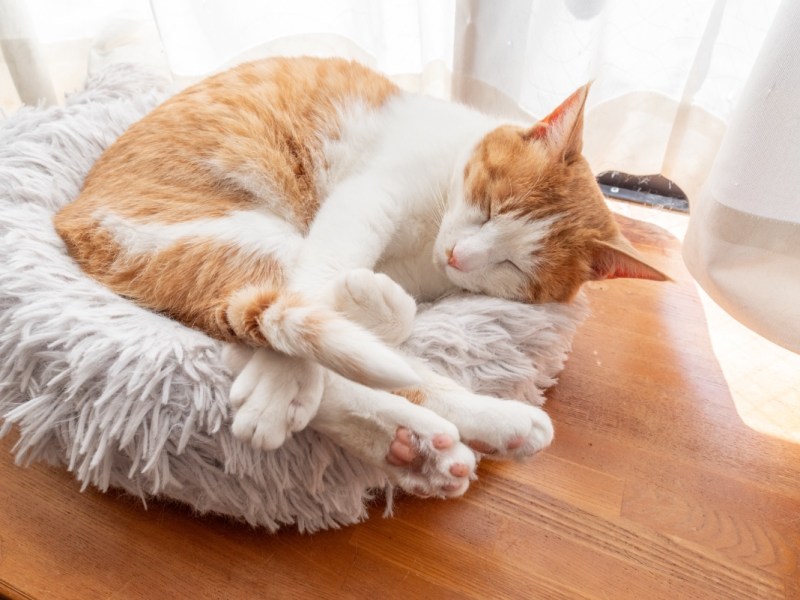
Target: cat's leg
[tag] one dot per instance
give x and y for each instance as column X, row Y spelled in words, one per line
column 351, row 230
column 273, row 395
column 418, row 449
column 349, row 235
column 494, row 427
column 276, row 394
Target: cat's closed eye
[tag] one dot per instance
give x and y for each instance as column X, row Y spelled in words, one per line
column 511, row 263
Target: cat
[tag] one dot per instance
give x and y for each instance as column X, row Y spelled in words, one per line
column 298, row 208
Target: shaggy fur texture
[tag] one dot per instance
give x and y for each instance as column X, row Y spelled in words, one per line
column 128, row 399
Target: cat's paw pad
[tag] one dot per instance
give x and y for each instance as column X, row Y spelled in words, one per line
column 375, row 301
column 509, row 429
column 274, row 396
column 430, row 465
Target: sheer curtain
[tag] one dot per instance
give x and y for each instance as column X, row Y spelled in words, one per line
column 703, row 91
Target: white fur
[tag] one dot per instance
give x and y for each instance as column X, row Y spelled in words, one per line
column 391, row 181
column 395, row 203
column 259, row 233
column 351, row 150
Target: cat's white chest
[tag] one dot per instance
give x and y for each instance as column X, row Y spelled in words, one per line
column 409, row 261
column 389, row 171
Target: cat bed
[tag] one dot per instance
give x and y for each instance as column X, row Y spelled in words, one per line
column 127, row 399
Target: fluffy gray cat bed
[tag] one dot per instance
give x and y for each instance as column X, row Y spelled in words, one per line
column 128, row 399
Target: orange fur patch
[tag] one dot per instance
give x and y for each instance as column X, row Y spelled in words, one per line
column 259, row 126
column 509, row 172
column 539, row 174
column 413, row 395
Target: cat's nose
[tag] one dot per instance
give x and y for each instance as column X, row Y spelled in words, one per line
column 452, row 260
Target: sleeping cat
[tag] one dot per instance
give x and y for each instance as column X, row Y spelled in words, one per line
column 297, row 208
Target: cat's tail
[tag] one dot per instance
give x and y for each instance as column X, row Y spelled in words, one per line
column 289, row 324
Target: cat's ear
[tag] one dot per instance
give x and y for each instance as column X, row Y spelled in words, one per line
column 562, row 130
column 617, row 258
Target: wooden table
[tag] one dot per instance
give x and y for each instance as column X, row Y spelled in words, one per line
column 654, row 488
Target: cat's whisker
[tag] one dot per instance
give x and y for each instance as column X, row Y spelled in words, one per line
column 437, row 202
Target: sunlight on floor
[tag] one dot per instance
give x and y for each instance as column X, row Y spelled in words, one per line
column 763, row 378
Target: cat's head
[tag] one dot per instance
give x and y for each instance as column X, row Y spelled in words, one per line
column 526, row 219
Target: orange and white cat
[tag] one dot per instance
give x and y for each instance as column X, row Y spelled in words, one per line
column 297, row 208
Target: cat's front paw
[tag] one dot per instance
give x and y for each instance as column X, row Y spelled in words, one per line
column 376, row 302
column 273, row 395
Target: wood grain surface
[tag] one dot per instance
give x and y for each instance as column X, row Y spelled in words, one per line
column 655, row 487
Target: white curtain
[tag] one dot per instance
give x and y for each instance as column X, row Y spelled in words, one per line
column 743, row 243
column 702, row 91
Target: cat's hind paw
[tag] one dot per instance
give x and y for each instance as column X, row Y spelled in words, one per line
column 437, row 465
column 508, row 429
column 419, row 451
column 376, row 302
column 273, row 396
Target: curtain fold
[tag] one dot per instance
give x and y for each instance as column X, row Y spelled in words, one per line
column 666, row 75
column 743, row 242
column 27, row 67
column 679, row 89
column 411, row 40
